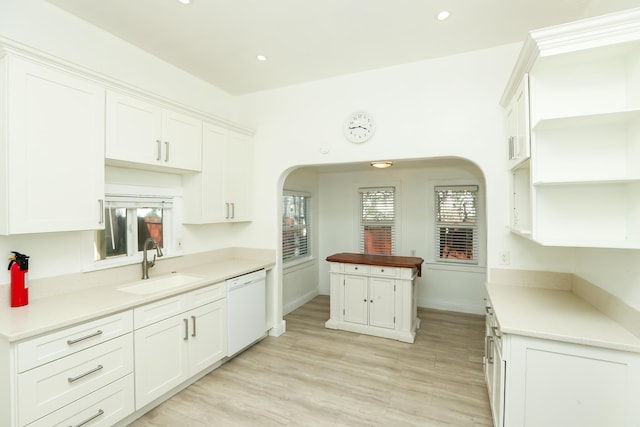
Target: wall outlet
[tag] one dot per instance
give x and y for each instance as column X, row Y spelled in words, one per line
column 413, row 252
column 505, row 258
column 179, row 244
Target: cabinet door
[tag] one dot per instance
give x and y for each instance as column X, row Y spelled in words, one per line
column 181, row 141
column 204, row 192
column 355, row 299
column 134, row 130
column 239, row 177
column 208, row 335
column 55, row 167
column 382, row 302
column 161, row 358
column 498, row 386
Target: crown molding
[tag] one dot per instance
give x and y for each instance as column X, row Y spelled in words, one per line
column 605, row 30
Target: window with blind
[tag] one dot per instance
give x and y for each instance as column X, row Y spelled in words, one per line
column 377, row 220
column 129, row 221
column 296, row 226
column 457, row 224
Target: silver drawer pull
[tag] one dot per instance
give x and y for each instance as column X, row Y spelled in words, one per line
column 193, row 319
column 496, row 331
column 77, row 340
column 91, row 418
column 186, row 329
column 96, row 369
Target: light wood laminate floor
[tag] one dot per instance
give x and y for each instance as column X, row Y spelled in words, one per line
column 312, row 376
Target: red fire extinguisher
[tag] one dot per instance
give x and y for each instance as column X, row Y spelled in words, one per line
column 19, row 267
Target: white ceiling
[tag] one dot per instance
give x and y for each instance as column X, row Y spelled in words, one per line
column 305, row 40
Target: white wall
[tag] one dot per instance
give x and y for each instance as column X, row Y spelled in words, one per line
column 446, row 107
column 300, row 279
column 446, row 287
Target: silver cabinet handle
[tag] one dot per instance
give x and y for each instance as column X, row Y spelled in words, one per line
column 166, row 151
column 159, row 150
column 186, row 329
column 490, row 351
column 488, row 309
column 94, row 370
column 101, row 204
column 233, row 210
column 86, row 337
column 91, row 418
column 193, row 319
column 496, row 331
column 227, row 207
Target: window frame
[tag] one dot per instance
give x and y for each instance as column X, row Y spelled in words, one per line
column 361, row 223
column 172, row 245
column 308, row 226
column 479, row 256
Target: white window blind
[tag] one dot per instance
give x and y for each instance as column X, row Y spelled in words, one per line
column 457, row 224
column 296, row 225
column 377, row 220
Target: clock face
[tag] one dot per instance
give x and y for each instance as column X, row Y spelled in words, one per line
column 359, row 127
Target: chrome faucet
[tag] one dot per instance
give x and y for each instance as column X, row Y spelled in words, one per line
column 146, row 265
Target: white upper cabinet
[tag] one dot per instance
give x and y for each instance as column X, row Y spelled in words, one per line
column 222, row 191
column 518, row 124
column 144, row 134
column 51, row 149
column 581, row 186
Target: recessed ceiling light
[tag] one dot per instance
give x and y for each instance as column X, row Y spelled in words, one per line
column 184, row 1
column 261, row 58
column 443, row 15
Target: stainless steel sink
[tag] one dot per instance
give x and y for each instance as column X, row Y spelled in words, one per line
column 160, row 284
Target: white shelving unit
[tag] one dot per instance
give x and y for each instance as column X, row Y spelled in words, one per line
column 581, row 185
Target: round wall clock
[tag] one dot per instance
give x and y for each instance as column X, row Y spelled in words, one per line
column 359, row 127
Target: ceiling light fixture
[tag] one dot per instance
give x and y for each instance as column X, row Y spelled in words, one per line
column 184, row 1
column 443, row 15
column 261, row 58
column 382, row 165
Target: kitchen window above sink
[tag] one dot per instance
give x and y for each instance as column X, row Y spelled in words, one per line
column 129, row 221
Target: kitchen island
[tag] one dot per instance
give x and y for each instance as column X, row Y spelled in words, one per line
column 374, row 295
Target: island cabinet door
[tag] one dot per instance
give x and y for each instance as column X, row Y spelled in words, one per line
column 382, row 302
column 355, row 299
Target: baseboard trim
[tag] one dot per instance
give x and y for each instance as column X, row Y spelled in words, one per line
column 299, row 302
column 444, row 306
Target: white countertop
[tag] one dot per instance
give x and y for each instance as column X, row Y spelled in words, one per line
column 64, row 309
column 558, row 315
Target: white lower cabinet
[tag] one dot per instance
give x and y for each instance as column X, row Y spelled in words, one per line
column 369, row 301
column 103, row 407
column 541, row 382
column 373, row 299
column 171, row 350
column 71, row 375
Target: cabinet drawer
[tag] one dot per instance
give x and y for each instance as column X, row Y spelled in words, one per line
column 104, row 407
column 159, row 310
column 207, row 294
column 356, row 269
column 379, row 270
column 47, row 348
column 49, row 387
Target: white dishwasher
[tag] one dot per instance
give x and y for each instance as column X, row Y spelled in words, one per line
column 246, row 311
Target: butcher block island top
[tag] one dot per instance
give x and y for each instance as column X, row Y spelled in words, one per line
column 383, row 260
column 374, row 295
